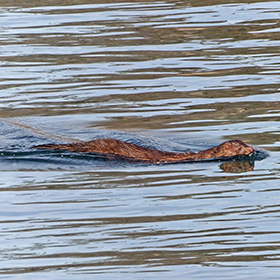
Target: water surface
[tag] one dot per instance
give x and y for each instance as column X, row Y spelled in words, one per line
column 171, row 75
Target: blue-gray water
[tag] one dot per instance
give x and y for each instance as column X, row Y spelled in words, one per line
column 173, row 75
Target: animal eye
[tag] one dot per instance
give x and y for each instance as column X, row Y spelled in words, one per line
column 239, row 149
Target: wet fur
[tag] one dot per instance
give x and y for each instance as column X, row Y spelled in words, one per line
column 116, row 149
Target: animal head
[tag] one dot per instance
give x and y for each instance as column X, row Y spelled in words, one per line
column 233, row 148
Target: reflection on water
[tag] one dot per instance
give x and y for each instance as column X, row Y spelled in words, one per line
column 237, row 166
column 180, row 75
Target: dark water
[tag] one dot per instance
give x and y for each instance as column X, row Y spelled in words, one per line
column 171, row 75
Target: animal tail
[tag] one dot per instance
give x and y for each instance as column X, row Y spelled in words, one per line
column 50, row 147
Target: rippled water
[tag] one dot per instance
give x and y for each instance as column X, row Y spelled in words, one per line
column 171, row 75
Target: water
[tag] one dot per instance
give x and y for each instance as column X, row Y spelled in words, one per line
column 170, row 75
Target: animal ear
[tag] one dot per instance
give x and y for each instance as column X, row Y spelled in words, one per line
column 226, row 144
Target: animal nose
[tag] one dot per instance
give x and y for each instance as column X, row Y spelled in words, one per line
column 251, row 150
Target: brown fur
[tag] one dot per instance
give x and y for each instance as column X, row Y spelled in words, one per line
column 116, row 149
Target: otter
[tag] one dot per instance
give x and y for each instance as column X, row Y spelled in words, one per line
column 116, row 149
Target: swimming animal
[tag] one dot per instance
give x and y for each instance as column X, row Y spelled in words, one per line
column 116, row 149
